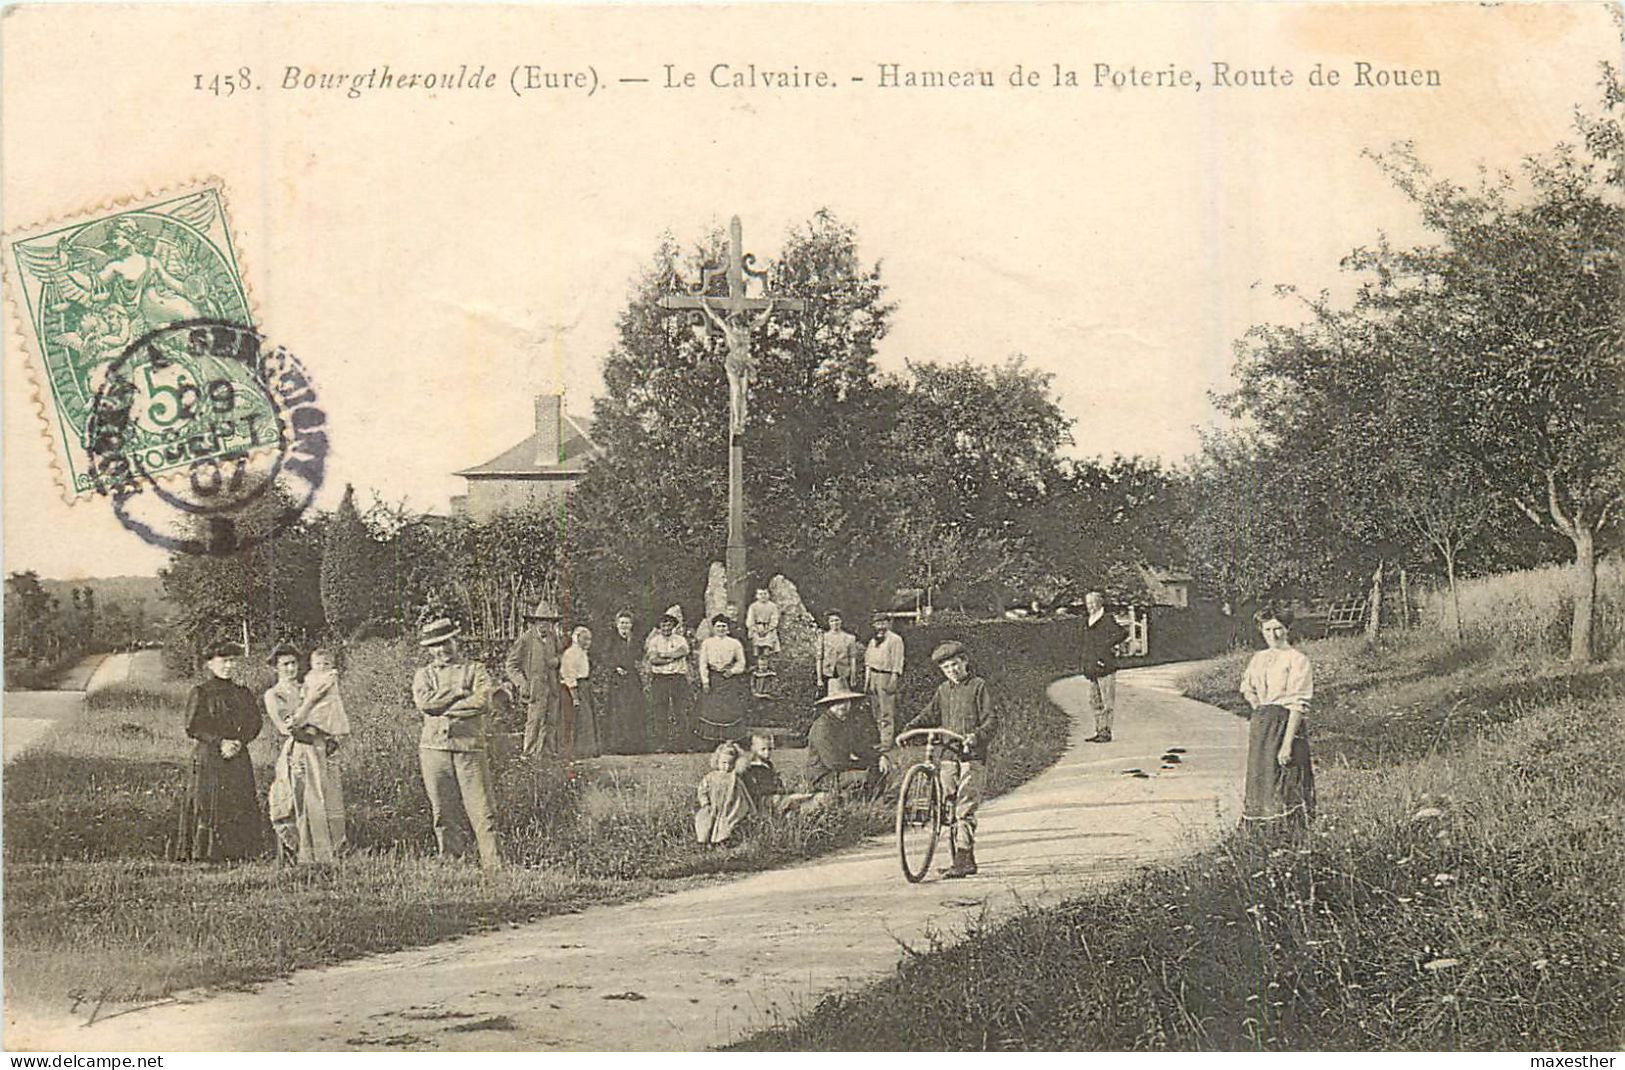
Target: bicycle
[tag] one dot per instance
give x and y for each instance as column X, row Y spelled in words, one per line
column 922, row 810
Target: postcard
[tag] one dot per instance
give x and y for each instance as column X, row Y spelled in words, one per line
column 811, row 526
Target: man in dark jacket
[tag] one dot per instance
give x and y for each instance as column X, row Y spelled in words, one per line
column 841, row 752
column 1101, row 635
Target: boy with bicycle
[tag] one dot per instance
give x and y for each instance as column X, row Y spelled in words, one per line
column 961, row 704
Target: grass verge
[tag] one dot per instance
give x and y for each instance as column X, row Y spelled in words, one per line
column 94, row 913
column 1461, row 890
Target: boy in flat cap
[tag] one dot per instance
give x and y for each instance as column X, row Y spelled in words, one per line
column 961, row 704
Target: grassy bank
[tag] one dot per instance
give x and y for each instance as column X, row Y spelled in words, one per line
column 1461, row 890
column 93, row 911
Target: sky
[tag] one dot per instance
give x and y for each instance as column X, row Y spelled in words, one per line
column 438, row 259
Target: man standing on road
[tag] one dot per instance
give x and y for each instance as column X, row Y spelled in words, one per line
column 882, row 673
column 452, row 695
column 1101, row 635
column 533, row 666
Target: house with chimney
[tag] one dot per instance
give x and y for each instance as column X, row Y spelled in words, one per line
column 541, row 468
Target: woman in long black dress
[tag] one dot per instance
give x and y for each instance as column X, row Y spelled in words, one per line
column 220, row 815
column 626, row 714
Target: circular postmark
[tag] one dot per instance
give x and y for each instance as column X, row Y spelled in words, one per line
column 206, row 439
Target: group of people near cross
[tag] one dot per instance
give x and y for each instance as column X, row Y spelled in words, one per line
column 220, row 817
column 582, row 700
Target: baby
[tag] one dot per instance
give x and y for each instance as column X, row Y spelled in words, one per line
column 323, row 705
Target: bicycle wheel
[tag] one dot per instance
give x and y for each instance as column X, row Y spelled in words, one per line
column 919, row 821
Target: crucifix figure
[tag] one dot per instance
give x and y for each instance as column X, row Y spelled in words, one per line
column 738, row 362
column 730, row 313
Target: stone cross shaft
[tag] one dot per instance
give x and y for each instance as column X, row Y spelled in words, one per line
column 730, row 313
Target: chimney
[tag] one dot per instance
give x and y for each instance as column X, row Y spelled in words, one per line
column 549, row 429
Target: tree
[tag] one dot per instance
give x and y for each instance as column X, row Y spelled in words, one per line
column 33, row 624
column 1524, row 294
column 1481, row 369
column 273, row 585
column 649, row 515
column 347, row 580
column 855, row 482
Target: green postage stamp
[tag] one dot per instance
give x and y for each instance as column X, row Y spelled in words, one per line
column 105, row 297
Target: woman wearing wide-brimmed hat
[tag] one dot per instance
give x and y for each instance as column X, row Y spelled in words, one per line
column 220, row 814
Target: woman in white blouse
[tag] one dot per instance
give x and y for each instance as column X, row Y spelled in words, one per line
column 580, row 721
column 722, row 682
column 1279, row 684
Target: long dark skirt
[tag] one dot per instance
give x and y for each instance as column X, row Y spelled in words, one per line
column 626, row 716
column 580, row 722
column 1276, row 792
column 722, row 709
column 220, row 817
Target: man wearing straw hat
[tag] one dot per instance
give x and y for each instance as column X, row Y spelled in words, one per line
column 533, row 666
column 453, row 695
column 841, row 752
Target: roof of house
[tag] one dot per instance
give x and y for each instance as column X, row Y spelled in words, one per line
column 519, row 461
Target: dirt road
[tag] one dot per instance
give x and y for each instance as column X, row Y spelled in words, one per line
column 698, row 968
column 31, row 715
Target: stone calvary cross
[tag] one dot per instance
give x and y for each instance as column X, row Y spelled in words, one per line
column 730, row 314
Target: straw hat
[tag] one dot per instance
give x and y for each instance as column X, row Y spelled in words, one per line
column 438, row 632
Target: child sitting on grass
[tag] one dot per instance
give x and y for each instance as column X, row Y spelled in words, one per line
column 763, row 784
column 723, row 802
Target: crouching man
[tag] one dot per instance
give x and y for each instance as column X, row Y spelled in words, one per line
column 841, row 754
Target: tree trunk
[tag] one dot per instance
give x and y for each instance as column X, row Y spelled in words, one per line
column 1373, row 624
column 1404, row 600
column 1455, row 594
column 1585, row 593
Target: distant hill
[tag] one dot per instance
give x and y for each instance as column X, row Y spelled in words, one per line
column 127, row 592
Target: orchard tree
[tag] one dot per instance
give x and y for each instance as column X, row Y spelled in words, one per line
column 1524, row 287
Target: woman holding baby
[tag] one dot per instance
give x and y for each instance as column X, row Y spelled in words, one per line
column 307, row 793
